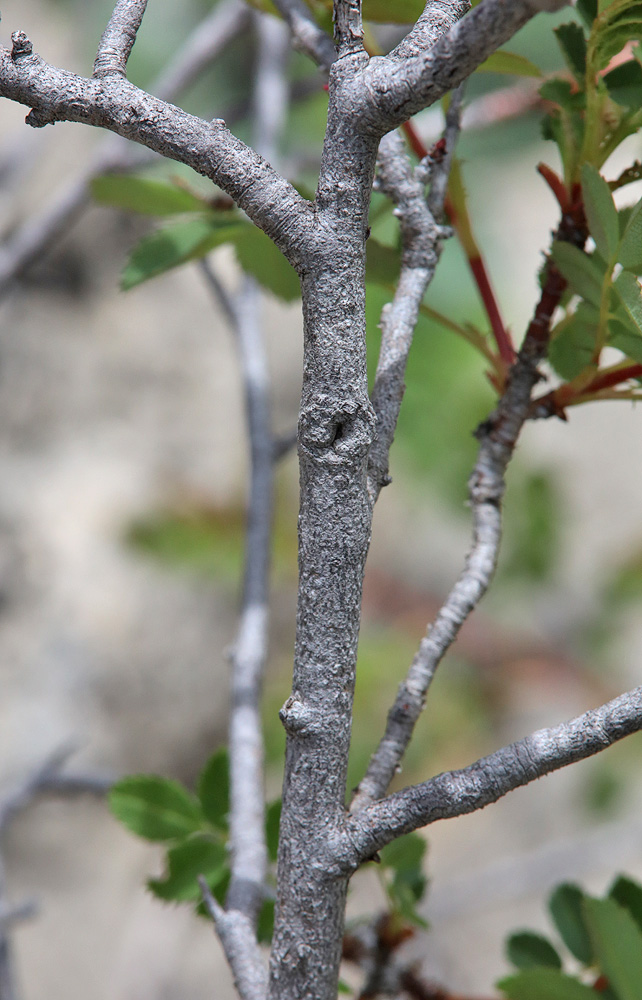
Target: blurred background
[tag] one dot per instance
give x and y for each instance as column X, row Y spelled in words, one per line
column 123, row 463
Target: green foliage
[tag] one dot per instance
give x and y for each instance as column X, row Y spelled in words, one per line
column 194, row 830
column 603, row 935
column 143, row 195
column 403, row 878
column 565, row 906
column 525, row 950
column 176, row 243
column 155, row 808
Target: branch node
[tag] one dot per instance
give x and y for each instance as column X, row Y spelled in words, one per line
column 21, row 45
column 38, row 119
column 296, row 717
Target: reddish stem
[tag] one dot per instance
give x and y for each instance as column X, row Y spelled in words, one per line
column 609, row 379
column 475, row 262
column 502, row 339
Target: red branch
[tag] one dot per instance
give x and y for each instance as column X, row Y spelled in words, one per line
column 475, row 262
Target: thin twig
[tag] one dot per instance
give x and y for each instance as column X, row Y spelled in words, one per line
column 236, row 934
column 498, row 436
column 37, row 234
column 247, row 810
column 457, row 793
column 117, row 40
column 421, row 236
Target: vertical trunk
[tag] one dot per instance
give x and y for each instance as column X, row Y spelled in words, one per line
column 335, row 432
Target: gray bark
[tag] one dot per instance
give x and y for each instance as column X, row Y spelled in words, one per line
column 341, row 472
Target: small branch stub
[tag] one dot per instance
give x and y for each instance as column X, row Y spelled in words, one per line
column 348, row 26
column 21, row 45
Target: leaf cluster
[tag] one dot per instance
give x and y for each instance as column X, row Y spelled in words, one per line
column 193, row 828
column 603, row 936
column 598, row 105
column 604, row 298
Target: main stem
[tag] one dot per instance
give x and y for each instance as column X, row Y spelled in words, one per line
column 335, row 433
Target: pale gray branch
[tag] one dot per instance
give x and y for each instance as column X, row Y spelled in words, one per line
column 348, row 26
column 307, row 36
column 247, row 800
column 118, row 38
column 391, row 90
column 456, row 793
column 421, row 237
column 236, row 934
column 37, row 234
column 437, row 18
column 208, row 147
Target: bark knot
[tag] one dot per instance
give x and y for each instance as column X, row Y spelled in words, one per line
column 21, row 45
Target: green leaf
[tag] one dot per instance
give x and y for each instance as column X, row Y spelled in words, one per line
column 343, row 988
column 587, row 9
column 258, row 256
column 405, row 853
column 601, row 213
column 618, row 946
column 272, row 821
column 630, row 252
column 138, row 194
column 573, row 343
column 625, row 84
column 626, row 340
column 565, row 905
column 404, row 857
column 509, row 62
column 628, row 288
column 584, row 274
column 197, row 856
column 526, row 950
column 175, row 244
column 628, row 894
column 214, row 789
column 572, row 42
column 155, row 808
column 544, row 984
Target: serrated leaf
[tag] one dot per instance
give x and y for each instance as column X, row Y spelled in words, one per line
column 214, row 789
column 176, row 244
column 630, row 252
column 573, row 344
column 509, row 62
column 626, row 340
column 628, row 894
column 601, row 213
column 625, row 84
column 138, row 194
column 197, row 856
column 617, row 941
column 527, row 950
column 272, row 822
column 565, row 906
column 628, row 289
column 584, row 274
column 258, row 256
column 572, row 42
column 155, row 808
column 544, row 984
